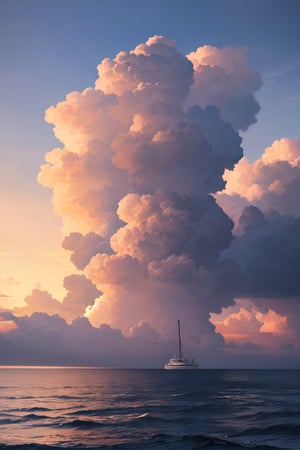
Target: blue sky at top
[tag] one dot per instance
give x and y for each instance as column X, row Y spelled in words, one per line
column 49, row 48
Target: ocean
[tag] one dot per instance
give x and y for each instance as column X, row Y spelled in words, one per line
column 96, row 408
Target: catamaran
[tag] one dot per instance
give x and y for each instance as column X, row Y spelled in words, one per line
column 180, row 363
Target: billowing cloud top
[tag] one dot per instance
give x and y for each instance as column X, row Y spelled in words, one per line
column 223, row 78
column 271, row 182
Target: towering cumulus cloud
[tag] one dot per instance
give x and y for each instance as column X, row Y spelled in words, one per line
column 165, row 219
column 134, row 183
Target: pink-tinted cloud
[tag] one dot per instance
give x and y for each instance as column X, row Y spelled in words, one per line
column 158, row 226
column 6, row 326
column 143, row 152
column 223, row 78
column 80, row 294
column 86, row 187
column 271, row 182
column 84, row 247
column 133, row 184
column 272, row 322
column 256, row 325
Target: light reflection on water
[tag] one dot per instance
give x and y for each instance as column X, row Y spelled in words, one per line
column 89, row 406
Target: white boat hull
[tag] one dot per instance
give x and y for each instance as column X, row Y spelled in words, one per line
column 183, row 367
column 180, row 364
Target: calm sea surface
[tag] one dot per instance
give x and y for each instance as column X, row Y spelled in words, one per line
column 80, row 408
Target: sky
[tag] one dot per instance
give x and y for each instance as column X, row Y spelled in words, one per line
column 150, row 171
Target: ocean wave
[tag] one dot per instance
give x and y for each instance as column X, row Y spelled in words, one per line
column 192, row 408
column 268, row 415
column 34, row 417
column 158, row 442
column 28, row 417
column 285, row 429
column 37, row 447
column 122, row 417
column 210, row 413
column 99, row 412
column 31, row 409
column 66, row 397
column 80, row 424
column 219, row 443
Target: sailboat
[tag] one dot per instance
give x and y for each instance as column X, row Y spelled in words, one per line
column 180, row 363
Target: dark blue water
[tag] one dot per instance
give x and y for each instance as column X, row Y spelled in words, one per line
column 49, row 408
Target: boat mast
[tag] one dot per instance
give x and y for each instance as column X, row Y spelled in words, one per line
column 179, row 339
